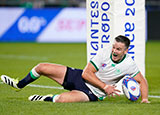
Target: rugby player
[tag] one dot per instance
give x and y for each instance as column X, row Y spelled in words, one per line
column 94, row 83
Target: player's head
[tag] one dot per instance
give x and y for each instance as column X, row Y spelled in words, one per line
column 124, row 40
column 120, row 48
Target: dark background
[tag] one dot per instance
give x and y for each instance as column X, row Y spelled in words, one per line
column 153, row 19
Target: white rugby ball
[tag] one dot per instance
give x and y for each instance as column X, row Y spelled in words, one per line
column 131, row 89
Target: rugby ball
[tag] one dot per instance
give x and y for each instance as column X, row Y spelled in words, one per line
column 131, row 89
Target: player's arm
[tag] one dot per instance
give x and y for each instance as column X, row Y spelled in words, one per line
column 89, row 75
column 143, row 87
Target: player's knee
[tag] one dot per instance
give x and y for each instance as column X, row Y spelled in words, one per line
column 60, row 99
column 41, row 67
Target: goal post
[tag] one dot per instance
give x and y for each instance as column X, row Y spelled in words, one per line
column 107, row 19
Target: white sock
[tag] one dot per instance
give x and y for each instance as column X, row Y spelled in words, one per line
column 55, row 97
column 34, row 73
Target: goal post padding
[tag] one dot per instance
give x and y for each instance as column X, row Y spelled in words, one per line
column 107, row 19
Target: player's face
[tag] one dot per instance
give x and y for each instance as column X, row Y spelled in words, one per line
column 118, row 51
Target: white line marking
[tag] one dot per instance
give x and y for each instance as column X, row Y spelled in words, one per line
column 23, row 57
column 41, row 86
column 154, row 96
column 44, row 86
column 55, row 87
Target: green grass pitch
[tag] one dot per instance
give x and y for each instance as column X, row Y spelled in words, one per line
column 17, row 59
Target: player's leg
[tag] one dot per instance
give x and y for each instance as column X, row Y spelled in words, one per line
column 73, row 81
column 72, row 96
column 54, row 71
column 67, row 97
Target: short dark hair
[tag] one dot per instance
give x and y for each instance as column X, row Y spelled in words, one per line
column 123, row 39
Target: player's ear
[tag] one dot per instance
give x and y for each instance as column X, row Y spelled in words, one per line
column 126, row 51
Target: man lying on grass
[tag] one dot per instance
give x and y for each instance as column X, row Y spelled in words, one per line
column 96, row 81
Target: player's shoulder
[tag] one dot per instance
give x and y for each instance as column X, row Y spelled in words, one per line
column 129, row 59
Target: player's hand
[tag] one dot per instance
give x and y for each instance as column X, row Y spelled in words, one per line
column 145, row 101
column 110, row 90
